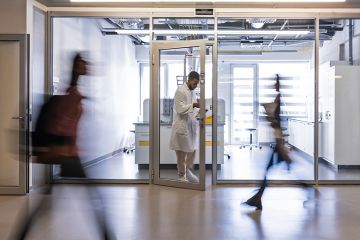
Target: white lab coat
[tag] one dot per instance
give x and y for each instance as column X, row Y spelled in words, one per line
column 184, row 127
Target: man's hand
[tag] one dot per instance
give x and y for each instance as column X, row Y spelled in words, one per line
column 196, row 105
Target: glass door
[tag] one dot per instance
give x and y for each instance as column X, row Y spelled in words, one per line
column 178, row 114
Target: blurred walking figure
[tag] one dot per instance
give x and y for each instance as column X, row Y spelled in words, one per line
column 273, row 116
column 55, row 140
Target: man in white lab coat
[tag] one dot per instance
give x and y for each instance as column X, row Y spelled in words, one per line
column 184, row 127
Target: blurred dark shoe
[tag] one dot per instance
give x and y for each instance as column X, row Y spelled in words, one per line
column 254, row 203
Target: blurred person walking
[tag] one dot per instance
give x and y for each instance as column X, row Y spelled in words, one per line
column 273, row 116
column 56, row 138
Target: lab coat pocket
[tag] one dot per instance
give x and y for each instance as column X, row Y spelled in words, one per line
column 181, row 129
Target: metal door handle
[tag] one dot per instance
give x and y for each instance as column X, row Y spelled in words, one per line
column 19, row 118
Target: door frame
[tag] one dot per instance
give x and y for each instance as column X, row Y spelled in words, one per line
column 156, row 47
column 23, row 153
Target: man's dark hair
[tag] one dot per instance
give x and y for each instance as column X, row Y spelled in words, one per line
column 193, row 75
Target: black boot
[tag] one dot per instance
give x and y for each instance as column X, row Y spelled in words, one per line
column 255, row 201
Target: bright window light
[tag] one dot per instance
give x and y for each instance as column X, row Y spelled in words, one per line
column 216, row 1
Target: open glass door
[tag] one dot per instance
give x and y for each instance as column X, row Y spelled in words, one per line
column 182, row 165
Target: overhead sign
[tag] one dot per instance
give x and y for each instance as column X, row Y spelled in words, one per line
column 204, row 12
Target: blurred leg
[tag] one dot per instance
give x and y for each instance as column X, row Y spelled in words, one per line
column 255, row 200
column 32, row 214
column 72, row 167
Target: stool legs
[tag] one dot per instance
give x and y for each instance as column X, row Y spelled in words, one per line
column 250, row 145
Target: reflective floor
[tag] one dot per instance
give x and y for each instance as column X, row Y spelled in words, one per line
column 156, row 212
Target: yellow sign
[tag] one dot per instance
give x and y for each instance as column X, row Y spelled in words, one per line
column 209, row 143
column 144, row 143
column 208, row 119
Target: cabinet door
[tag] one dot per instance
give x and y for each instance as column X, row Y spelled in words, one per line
column 309, row 140
column 300, row 135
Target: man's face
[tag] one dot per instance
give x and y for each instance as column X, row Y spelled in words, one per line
column 193, row 84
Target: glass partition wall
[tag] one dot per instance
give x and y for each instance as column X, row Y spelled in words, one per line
column 113, row 134
column 251, row 54
column 339, row 108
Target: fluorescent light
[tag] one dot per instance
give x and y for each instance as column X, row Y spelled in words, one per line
column 132, row 32
column 263, row 32
column 210, row 32
column 163, row 32
column 183, row 32
column 216, row 1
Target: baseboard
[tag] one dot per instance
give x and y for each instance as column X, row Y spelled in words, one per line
column 328, row 164
column 338, row 167
column 102, row 158
column 348, row 167
column 174, row 166
column 303, row 154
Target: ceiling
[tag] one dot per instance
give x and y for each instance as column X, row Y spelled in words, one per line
column 250, row 40
column 244, row 41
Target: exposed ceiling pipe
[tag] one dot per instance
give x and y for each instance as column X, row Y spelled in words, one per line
column 351, row 61
column 134, row 38
column 282, row 27
column 170, row 26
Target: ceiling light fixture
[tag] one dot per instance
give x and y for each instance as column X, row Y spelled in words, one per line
column 183, row 32
column 132, row 32
column 263, row 32
column 163, row 32
column 211, row 32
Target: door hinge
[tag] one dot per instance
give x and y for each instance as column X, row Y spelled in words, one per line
column 153, row 59
column 152, row 174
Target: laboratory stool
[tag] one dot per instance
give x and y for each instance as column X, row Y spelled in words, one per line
column 130, row 148
column 251, row 144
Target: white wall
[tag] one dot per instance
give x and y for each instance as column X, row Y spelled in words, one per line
column 13, row 16
column 112, row 86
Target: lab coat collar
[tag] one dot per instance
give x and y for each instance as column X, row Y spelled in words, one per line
column 186, row 86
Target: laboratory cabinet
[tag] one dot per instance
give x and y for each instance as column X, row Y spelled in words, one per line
column 168, row 156
column 339, row 110
column 301, row 135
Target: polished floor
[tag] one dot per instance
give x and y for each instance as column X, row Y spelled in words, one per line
column 244, row 164
column 150, row 212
